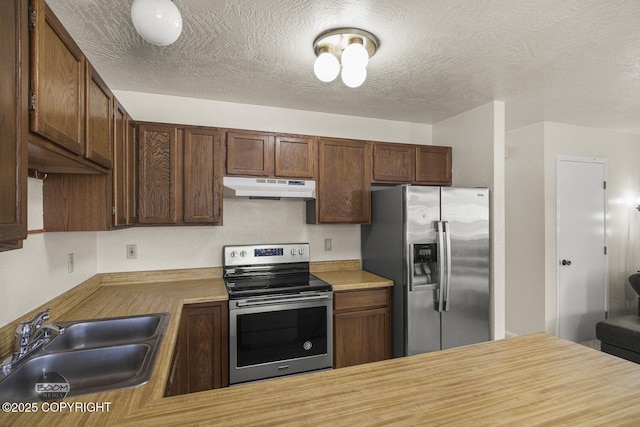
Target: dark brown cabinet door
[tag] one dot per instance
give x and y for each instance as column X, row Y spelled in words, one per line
column 249, row 153
column 132, row 172
column 362, row 327
column 201, row 358
column 99, row 119
column 160, row 172
column 120, row 153
column 433, row 165
column 58, row 82
column 344, row 181
column 13, row 124
column 295, row 156
column 393, row 163
column 202, row 176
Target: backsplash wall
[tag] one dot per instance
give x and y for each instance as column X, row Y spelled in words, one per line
column 245, row 222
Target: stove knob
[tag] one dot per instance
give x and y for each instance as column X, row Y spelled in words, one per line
column 243, row 254
column 293, row 252
column 301, row 251
column 233, row 254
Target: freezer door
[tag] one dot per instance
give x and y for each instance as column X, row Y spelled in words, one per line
column 422, row 320
column 466, row 316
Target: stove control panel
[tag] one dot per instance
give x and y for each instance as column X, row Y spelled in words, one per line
column 265, row 254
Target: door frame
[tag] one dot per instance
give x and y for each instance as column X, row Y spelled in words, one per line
column 603, row 162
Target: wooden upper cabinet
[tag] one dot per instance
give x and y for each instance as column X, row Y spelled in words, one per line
column 132, row 172
column 263, row 154
column 120, row 177
column 433, row 165
column 202, row 176
column 13, row 124
column 160, row 170
column 411, row 164
column 295, row 157
column 99, row 119
column 249, row 153
column 393, row 163
column 180, row 176
column 57, row 82
column 344, row 182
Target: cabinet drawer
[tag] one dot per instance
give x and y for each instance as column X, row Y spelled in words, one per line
column 366, row 298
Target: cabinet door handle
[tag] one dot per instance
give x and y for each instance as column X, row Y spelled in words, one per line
column 565, row 262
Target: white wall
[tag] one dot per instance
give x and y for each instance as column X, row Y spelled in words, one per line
column 531, row 206
column 245, row 222
column 173, row 109
column 477, row 138
column 525, row 239
column 37, row 273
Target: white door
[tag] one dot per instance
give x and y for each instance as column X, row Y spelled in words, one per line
column 582, row 265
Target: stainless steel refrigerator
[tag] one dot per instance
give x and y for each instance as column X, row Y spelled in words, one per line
column 433, row 242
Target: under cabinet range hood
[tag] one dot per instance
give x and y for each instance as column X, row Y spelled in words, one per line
column 269, row 188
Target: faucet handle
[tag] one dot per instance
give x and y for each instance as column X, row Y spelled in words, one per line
column 39, row 318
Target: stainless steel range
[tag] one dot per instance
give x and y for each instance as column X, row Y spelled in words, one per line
column 280, row 315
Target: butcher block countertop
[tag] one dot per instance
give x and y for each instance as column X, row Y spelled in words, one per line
column 533, row 379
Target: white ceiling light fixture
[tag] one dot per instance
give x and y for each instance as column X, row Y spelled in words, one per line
column 158, row 21
column 350, row 48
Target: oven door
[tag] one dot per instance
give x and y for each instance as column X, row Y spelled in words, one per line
column 280, row 335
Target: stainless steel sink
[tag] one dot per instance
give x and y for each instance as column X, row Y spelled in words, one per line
column 107, row 332
column 86, row 371
column 92, row 355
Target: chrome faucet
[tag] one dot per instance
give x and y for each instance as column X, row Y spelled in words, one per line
column 31, row 334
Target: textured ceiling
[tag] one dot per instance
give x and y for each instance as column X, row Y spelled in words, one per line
column 570, row 61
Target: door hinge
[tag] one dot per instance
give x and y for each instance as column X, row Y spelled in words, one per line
column 32, row 18
column 32, row 100
column 113, row 210
column 605, row 250
column 604, row 185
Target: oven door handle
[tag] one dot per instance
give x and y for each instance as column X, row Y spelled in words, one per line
column 272, row 301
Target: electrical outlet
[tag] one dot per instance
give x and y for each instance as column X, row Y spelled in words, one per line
column 327, row 244
column 132, row 251
column 70, row 263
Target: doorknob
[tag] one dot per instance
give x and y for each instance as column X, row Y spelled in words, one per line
column 565, row 262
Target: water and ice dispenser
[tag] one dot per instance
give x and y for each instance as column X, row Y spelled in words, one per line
column 424, row 263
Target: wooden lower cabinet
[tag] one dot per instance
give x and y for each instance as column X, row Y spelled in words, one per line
column 201, row 355
column 362, row 326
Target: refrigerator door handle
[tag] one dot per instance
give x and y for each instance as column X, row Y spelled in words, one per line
column 447, row 234
column 441, row 266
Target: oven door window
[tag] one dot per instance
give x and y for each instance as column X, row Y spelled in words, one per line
column 281, row 335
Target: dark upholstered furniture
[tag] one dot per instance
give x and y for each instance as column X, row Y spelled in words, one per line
column 620, row 336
